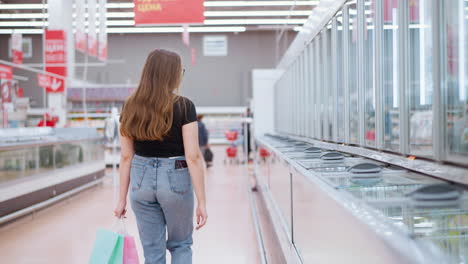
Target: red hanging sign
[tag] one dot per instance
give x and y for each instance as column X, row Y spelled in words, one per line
column 102, row 36
column 55, row 54
column 6, row 72
column 92, row 28
column 17, row 48
column 193, row 53
column 152, row 12
column 6, row 91
column 186, row 36
column 80, row 35
column 390, row 5
column 50, row 83
column 43, row 80
column 102, row 51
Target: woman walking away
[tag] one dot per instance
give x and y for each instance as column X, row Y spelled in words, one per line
column 161, row 162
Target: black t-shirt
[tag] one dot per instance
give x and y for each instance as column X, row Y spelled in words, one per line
column 172, row 144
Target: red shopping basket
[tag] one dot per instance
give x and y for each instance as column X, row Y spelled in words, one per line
column 264, row 153
column 231, row 152
column 231, row 135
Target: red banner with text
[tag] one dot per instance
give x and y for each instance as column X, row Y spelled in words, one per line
column 6, row 72
column 154, row 12
column 55, row 54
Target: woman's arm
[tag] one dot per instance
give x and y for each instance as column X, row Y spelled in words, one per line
column 126, row 156
column 196, row 167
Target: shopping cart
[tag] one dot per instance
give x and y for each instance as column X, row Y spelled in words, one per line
column 264, row 154
column 231, row 151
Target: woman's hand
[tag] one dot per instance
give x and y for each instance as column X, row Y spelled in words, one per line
column 202, row 216
column 120, row 210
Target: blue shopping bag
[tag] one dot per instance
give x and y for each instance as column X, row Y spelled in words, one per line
column 108, row 248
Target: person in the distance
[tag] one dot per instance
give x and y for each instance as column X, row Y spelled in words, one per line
column 161, row 161
column 203, row 137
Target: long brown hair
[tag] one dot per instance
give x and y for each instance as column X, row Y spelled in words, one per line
column 148, row 113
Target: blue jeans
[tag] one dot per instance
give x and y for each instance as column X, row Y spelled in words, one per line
column 162, row 196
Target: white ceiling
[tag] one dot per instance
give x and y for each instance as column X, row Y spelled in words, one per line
column 252, row 15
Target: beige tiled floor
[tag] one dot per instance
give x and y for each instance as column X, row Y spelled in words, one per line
column 65, row 232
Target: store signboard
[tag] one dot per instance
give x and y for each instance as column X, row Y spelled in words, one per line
column 215, row 46
column 102, row 51
column 92, row 28
column 80, row 35
column 55, row 54
column 153, row 12
column 17, row 48
column 6, row 72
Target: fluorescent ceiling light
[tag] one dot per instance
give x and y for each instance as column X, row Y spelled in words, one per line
column 257, row 13
column 253, row 21
column 21, row 6
column 24, row 16
column 23, row 24
column 119, row 14
column 260, row 3
column 146, row 30
column 120, row 5
column 216, row 29
column 175, row 29
column 302, row 29
column 21, row 31
column 120, row 23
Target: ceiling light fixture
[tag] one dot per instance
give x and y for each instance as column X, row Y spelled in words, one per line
column 21, row 31
column 260, row 3
column 253, row 21
column 175, row 29
column 257, row 13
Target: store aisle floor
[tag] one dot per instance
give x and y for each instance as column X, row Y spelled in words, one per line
column 65, row 232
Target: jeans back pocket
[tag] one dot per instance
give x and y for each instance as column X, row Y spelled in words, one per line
column 137, row 173
column 179, row 180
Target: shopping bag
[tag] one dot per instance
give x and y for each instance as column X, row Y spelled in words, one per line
column 208, row 155
column 130, row 254
column 108, row 248
column 117, row 256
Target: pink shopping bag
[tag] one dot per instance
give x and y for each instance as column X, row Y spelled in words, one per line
column 130, row 254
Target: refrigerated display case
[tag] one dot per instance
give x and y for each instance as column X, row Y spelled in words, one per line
column 325, row 198
column 38, row 164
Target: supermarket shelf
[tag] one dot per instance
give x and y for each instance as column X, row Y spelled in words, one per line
column 37, row 111
column 221, row 110
column 90, row 115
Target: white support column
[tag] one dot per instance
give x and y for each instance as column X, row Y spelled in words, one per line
column 263, row 100
column 61, row 18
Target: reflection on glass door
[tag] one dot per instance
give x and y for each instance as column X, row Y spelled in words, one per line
column 369, row 88
column 456, row 27
column 329, row 95
column 339, row 72
column 420, row 77
column 353, row 74
column 390, row 76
